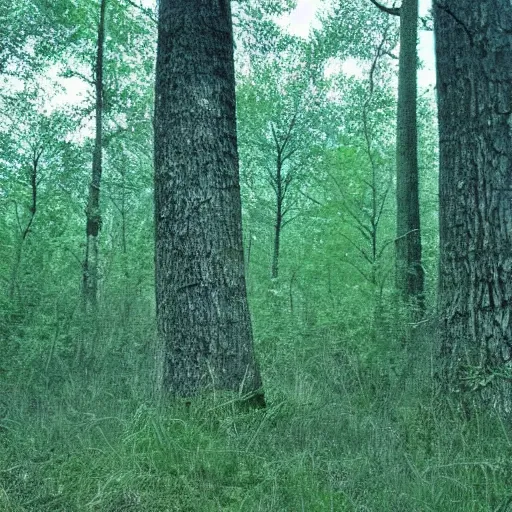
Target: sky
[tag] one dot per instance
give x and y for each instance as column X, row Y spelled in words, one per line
column 299, row 22
column 301, row 19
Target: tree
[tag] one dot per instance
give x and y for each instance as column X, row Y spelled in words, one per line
column 27, row 128
column 409, row 270
column 275, row 147
column 282, row 118
column 27, row 37
column 280, row 181
column 202, row 312
column 93, row 214
column 366, row 211
column 474, row 85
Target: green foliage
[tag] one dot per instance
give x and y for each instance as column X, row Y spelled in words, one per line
column 354, row 30
column 353, row 419
column 338, row 434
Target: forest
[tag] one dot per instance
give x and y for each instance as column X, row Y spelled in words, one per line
column 247, row 269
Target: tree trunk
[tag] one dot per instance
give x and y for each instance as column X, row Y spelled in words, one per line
column 93, row 214
column 280, row 183
column 23, row 232
column 279, row 216
column 409, row 270
column 474, row 84
column 202, row 311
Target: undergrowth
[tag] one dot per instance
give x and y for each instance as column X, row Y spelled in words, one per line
column 341, row 432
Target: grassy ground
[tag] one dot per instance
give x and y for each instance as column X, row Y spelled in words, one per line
column 340, row 433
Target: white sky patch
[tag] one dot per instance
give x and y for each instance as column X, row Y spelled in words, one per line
column 352, row 67
column 299, row 22
column 302, row 18
column 427, row 75
column 73, row 92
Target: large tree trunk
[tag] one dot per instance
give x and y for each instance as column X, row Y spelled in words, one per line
column 202, row 311
column 474, row 84
column 409, row 270
column 93, row 214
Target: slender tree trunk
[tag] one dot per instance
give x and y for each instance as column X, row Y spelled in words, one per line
column 93, row 213
column 279, row 217
column 379, row 194
column 474, row 85
column 24, row 231
column 202, row 311
column 123, row 216
column 280, row 183
column 409, row 269
column 248, row 252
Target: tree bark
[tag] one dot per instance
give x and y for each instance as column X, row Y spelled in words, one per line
column 409, row 275
column 474, row 85
column 93, row 213
column 202, row 311
column 409, row 269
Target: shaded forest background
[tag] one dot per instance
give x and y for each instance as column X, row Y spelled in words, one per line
column 354, row 420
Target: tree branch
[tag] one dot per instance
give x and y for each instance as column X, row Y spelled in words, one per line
column 353, row 265
column 144, row 11
column 312, row 199
column 394, row 11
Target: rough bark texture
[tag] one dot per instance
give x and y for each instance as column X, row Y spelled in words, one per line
column 93, row 214
column 409, row 270
column 474, row 83
column 202, row 311
column 409, row 275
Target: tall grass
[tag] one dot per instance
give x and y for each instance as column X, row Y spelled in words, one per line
column 341, row 432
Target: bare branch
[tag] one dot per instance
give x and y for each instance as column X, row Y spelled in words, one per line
column 80, row 262
column 382, row 204
column 287, row 180
column 114, row 202
column 359, row 224
column 359, row 249
column 385, row 245
column 312, row 199
column 394, row 11
column 364, row 274
column 427, row 23
column 76, row 74
column 405, row 235
column 365, row 231
column 288, row 208
column 288, row 155
column 290, row 129
column 390, row 54
column 146, row 12
column 286, row 222
column 273, row 182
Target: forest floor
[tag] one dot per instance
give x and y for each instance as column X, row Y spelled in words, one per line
column 339, row 434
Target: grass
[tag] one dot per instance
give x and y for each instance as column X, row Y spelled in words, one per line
column 340, row 433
